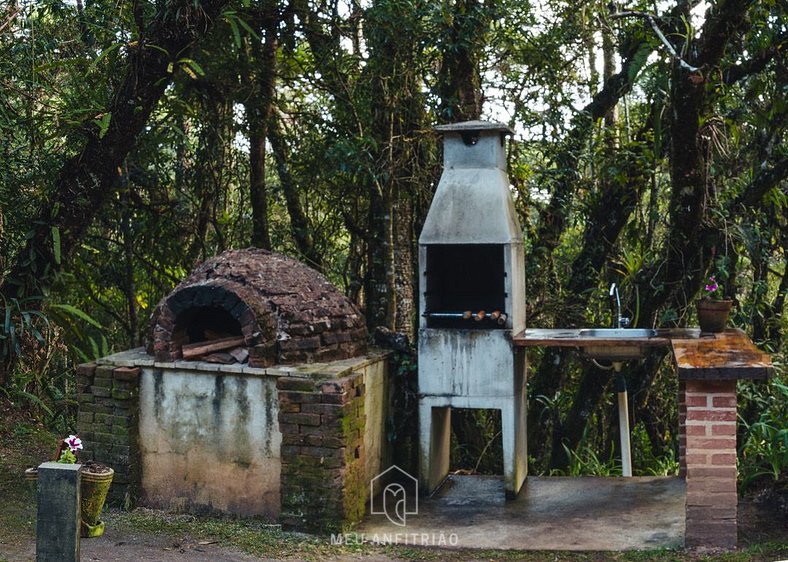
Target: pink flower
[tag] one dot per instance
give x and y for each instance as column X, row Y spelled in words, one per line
column 74, row 443
column 712, row 286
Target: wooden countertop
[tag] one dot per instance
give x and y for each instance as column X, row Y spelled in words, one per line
column 723, row 356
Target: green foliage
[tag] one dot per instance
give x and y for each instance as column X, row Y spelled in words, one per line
column 355, row 98
column 586, row 462
column 764, row 443
column 67, row 457
column 648, row 462
column 21, row 321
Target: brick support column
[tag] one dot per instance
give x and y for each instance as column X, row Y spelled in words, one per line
column 108, row 423
column 707, row 442
column 323, row 482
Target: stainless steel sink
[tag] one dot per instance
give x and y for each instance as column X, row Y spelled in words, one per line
column 628, row 343
column 618, row 333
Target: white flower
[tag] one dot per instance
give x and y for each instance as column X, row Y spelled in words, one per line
column 74, row 443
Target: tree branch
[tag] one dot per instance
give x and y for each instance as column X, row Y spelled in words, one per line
column 757, row 63
column 86, row 180
column 661, row 36
column 764, row 180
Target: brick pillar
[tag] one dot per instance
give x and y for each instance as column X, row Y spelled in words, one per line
column 707, row 441
column 323, row 482
column 108, row 423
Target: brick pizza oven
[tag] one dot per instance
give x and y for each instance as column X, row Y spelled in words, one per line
column 264, row 307
column 256, row 395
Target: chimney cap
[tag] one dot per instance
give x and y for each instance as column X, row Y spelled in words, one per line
column 473, row 126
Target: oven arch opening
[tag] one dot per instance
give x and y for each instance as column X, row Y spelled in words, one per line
column 203, row 323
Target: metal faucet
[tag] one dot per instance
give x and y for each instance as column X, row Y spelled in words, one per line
column 618, row 320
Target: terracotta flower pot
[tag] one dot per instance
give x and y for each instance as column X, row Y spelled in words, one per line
column 31, row 477
column 713, row 315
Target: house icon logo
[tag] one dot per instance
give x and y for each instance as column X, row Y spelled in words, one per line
column 398, row 499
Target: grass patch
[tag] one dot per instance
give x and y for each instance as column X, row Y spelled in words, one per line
column 27, row 443
column 262, row 539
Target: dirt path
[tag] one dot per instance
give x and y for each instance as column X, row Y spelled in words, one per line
column 123, row 545
column 119, row 546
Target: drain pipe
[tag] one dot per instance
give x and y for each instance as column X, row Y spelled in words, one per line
column 623, row 421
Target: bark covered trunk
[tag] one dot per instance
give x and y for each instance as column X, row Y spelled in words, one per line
column 688, row 249
column 459, row 81
column 299, row 223
column 85, row 181
column 258, row 114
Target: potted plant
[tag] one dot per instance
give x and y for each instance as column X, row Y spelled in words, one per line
column 96, row 480
column 713, row 308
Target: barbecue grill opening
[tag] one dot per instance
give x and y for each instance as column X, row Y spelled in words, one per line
column 465, row 286
column 205, row 323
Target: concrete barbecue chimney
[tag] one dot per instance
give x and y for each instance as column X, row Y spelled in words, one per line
column 471, row 266
column 473, row 204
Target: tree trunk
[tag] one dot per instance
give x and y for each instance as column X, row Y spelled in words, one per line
column 611, row 211
column 258, row 196
column 687, row 239
column 459, row 81
column 209, row 169
column 258, row 114
column 398, row 119
column 129, row 285
column 85, row 181
column 299, row 223
column 554, row 218
column 688, row 247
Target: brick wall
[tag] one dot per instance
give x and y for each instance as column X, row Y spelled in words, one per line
column 707, row 450
column 328, row 451
column 108, row 424
column 324, row 486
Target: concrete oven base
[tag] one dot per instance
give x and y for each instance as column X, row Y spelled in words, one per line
column 298, row 443
column 551, row 513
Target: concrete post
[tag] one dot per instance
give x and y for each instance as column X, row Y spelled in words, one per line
column 57, row 527
column 435, row 440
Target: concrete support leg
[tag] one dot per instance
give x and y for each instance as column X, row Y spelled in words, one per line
column 708, row 432
column 57, row 527
column 435, row 438
column 515, row 453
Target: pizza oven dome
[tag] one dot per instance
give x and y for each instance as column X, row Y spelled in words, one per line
column 257, row 304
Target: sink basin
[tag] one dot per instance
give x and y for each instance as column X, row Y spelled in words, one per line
column 629, row 347
column 618, row 333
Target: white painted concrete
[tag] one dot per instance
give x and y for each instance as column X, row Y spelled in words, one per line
column 472, row 203
column 209, row 434
column 473, row 368
column 209, row 442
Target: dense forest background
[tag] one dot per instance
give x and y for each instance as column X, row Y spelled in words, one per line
column 140, row 137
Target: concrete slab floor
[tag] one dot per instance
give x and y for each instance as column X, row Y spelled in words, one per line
column 550, row 513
